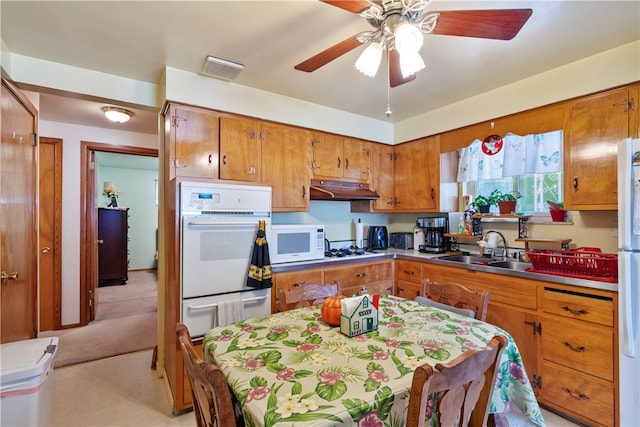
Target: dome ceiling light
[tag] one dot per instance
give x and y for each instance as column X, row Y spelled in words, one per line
column 117, row 114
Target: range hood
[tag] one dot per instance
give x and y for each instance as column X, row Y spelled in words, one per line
column 340, row 190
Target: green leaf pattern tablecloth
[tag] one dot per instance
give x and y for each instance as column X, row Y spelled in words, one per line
column 291, row 368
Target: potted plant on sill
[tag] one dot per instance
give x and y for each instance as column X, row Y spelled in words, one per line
column 557, row 211
column 506, row 201
column 482, row 203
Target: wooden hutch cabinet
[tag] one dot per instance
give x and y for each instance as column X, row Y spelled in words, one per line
column 113, row 257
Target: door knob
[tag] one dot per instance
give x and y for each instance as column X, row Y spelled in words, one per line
column 100, row 241
column 46, row 250
column 11, row 276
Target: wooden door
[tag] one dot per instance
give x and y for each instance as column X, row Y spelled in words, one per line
column 596, row 124
column 193, row 142
column 18, row 181
column 240, row 140
column 328, row 157
column 356, row 159
column 285, row 166
column 50, row 232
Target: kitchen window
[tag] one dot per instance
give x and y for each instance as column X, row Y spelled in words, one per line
column 530, row 165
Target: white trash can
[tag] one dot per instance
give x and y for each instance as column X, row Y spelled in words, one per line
column 26, row 380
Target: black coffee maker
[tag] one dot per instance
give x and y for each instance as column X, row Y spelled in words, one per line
column 377, row 238
column 435, row 228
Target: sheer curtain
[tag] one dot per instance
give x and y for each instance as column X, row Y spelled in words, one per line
column 511, row 155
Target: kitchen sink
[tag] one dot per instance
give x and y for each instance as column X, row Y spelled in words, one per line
column 512, row 265
column 466, row 259
column 489, row 262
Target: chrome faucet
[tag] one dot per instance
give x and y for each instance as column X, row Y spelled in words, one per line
column 504, row 243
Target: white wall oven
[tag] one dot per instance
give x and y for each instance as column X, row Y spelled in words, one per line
column 219, row 226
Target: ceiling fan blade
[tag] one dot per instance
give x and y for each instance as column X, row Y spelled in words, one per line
column 328, row 55
column 395, row 74
column 497, row 24
column 353, row 6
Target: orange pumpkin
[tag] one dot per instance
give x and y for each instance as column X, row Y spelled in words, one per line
column 331, row 310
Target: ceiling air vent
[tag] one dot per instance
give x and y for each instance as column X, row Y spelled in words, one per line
column 221, row 68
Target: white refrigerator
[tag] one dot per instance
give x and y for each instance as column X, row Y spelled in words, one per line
column 629, row 280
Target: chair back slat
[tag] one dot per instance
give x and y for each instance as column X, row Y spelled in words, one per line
column 305, row 295
column 461, row 389
column 457, row 295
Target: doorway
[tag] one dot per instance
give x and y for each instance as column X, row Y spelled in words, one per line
column 89, row 220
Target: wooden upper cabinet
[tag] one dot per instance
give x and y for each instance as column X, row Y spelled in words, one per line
column 193, row 142
column 285, row 166
column 338, row 157
column 240, row 143
column 327, row 155
column 417, row 175
column 595, row 124
column 357, row 156
column 382, row 166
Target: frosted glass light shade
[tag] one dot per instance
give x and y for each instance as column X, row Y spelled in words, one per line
column 410, row 63
column 117, row 115
column 408, row 38
column 369, row 60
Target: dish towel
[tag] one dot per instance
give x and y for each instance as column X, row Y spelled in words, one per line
column 230, row 312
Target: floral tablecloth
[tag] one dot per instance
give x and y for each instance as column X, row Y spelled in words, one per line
column 292, row 368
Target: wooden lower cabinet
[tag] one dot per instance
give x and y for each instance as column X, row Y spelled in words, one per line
column 408, row 278
column 578, row 343
column 376, row 277
column 292, row 279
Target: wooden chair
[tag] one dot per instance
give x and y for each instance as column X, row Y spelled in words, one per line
column 212, row 399
column 464, row 387
column 456, row 295
column 305, row 295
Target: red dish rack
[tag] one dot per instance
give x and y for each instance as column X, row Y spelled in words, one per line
column 581, row 263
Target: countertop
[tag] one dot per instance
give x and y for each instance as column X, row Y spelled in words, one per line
column 413, row 255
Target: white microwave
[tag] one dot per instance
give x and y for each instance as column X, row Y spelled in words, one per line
column 295, row 242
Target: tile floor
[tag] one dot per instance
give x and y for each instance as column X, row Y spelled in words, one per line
column 123, row 391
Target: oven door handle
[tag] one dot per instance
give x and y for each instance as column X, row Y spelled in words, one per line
column 205, row 306
column 206, row 222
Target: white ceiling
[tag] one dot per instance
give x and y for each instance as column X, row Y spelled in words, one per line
column 137, row 39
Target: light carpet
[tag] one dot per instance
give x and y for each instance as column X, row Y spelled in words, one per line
column 126, row 321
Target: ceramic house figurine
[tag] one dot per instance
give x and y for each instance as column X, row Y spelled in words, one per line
column 359, row 315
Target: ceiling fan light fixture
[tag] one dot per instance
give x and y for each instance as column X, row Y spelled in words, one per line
column 117, row 114
column 410, row 63
column 408, row 38
column 369, row 60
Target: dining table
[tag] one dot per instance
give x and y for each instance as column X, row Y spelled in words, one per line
column 292, row 368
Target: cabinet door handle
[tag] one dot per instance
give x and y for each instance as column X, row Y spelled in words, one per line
column 410, row 273
column 304, row 192
column 578, row 396
column 210, row 158
column 46, row 250
column 576, row 312
column 4, row 276
column 580, row 349
column 295, row 285
column 433, row 193
column 339, row 162
column 176, row 163
column 224, row 159
column 346, row 164
column 575, row 183
column 360, row 275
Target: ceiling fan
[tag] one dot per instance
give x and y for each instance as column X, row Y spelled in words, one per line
column 399, row 26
